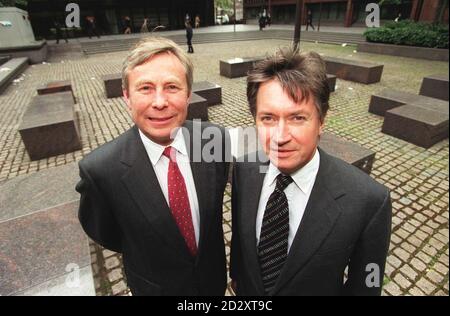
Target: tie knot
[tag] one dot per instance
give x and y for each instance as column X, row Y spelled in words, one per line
column 169, row 152
column 283, row 181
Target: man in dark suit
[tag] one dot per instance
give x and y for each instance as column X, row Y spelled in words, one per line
column 145, row 194
column 303, row 217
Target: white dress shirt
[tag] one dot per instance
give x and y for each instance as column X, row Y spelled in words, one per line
column 297, row 194
column 161, row 166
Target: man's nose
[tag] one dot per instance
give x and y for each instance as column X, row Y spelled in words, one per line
column 281, row 134
column 160, row 100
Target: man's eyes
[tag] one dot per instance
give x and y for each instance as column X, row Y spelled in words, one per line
column 299, row 118
column 173, row 87
column 266, row 118
column 170, row 88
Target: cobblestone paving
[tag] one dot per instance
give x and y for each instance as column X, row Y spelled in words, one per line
column 418, row 256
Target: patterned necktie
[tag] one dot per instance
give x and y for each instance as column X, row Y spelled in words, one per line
column 273, row 241
column 179, row 201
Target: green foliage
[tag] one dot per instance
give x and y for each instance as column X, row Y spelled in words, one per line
column 13, row 3
column 387, row 2
column 410, row 33
column 225, row 4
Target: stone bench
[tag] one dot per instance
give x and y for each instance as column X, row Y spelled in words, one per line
column 435, row 86
column 208, row 90
column 353, row 70
column 237, row 67
column 348, row 151
column 56, row 86
column 113, row 85
column 331, row 79
column 388, row 99
column 198, row 108
column 417, row 124
column 10, row 69
column 49, row 126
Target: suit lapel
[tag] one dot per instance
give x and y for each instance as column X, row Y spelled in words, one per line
column 144, row 188
column 251, row 189
column 320, row 215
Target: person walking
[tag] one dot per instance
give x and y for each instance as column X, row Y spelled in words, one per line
column 309, row 20
column 144, row 27
column 59, row 33
column 91, row 27
column 197, row 21
column 127, row 25
column 189, row 34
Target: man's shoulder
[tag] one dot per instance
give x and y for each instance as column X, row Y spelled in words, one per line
column 350, row 178
column 109, row 153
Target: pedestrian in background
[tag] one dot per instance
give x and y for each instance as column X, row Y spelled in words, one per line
column 127, row 25
column 59, row 33
column 309, row 20
column 189, row 34
column 91, row 27
column 197, row 21
column 144, row 27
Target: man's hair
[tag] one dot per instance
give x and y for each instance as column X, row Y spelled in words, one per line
column 153, row 46
column 301, row 75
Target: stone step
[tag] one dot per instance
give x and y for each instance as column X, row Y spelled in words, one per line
column 10, row 70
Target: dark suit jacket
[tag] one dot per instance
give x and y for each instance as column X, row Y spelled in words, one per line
column 123, row 209
column 347, row 221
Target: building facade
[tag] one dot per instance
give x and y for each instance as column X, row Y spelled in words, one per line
column 347, row 12
column 109, row 14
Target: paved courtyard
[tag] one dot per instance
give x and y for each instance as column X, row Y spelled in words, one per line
column 418, row 262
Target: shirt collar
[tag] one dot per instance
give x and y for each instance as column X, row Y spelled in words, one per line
column 155, row 150
column 303, row 178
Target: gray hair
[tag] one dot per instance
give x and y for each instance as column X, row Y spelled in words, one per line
column 150, row 47
column 296, row 72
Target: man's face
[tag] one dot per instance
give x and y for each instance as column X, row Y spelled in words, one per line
column 288, row 131
column 158, row 96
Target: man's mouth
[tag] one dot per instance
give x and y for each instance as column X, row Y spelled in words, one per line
column 160, row 119
column 281, row 153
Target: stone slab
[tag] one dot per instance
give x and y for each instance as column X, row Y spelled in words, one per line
column 49, row 126
column 41, row 247
column 198, row 108
column 210, row 91
column 354, row 70
column 29, row 193
column 435, row 86
column 56, row 86
column 417, row 125
column 65, row 285
column 237, row 67
column 350, row 152
column 388, row 99
column 331, row 79
column 113, row 85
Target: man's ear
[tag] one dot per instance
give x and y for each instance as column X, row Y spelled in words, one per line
column 322, row 126
column 126, row 97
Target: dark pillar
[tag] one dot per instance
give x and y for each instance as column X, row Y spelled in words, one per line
column 349, row 14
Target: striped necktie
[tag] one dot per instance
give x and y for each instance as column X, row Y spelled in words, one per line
column 273, row 241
